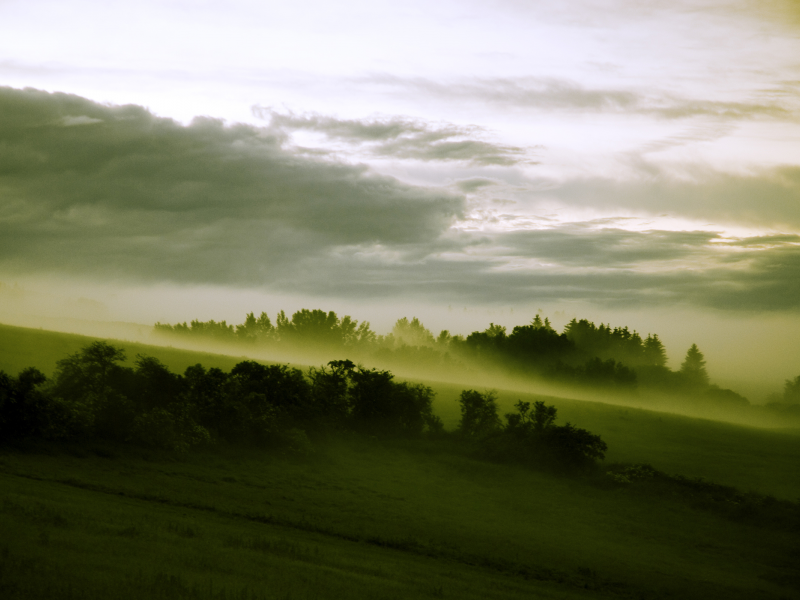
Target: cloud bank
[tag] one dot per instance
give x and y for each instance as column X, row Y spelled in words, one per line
column 114, row 190
column 115, row 193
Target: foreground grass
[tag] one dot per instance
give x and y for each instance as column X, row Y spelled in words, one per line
column 360, row 519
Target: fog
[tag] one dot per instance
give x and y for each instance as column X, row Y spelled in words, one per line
column 751, row 354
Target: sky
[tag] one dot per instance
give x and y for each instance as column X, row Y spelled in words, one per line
column 464, row 162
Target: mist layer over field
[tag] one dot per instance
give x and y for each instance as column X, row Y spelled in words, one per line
column 465, row 374
column 751, row 353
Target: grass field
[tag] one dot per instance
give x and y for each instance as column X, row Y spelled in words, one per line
column 750, row 458
column 363, row 518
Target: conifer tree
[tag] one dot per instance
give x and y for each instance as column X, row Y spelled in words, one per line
column 654, row 353
column 694, row 368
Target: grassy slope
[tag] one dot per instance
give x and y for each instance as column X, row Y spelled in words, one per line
column 364, row 519
column 749, row 458
column 746, row 457
column 22, row 347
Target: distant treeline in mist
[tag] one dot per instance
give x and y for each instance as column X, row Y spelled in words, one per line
column 92, row 396
column 583, row 354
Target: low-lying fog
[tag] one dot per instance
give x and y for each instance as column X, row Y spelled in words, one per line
column 751, row 354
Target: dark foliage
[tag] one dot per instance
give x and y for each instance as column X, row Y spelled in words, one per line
column 378, row 404
column 478, row 414
column 25, row 409
column 330, row 390
column 92, row 396
column 584, row 354
column 529, row 348
column 595, row 373
column 619, row 343
column 529, row 436
column 693, row 369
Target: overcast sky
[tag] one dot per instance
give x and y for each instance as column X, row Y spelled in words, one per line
column 463, row 161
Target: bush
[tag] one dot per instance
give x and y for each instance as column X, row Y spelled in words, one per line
column 531, row 437
column 478, row 414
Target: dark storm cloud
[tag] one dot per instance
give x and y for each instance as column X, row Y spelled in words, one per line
column 91, row 188
column 772, row 282
column 549, row 94
column 609, row 267
column 402, row 138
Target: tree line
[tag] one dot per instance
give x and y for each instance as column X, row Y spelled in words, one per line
column 583, row 354
column 92, row 396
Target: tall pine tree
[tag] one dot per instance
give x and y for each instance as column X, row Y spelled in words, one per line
column 693, row 368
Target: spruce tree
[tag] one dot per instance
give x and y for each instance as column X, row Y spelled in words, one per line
column 693, row 368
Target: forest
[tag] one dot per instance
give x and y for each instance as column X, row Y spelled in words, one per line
column 92, row 396
column 598, row 357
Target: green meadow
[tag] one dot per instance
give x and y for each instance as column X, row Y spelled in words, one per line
column 368, row 518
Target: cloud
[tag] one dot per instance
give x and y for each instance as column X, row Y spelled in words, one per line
column 608, row 267
column 577, row 246
column 402, row 138
column 553, row 94
column 766, row 198
column 116, row 193
column 474, row 183
column 772, row 282
column 114, row 190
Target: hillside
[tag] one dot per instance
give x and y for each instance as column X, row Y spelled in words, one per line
column 361, row 519
column 749, row 458
column 371, row 518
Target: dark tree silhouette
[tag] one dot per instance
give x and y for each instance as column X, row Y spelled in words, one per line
column 654, row 353
column 524, row 421
column 155, row 385
column 693, row 368
column 533, row 438
column 255, row 329
column 478, row 413
column 90, row 368
column 330, row 389
column 206, row 390
column 24, row 407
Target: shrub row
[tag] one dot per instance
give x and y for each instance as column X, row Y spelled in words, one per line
column 92, row 396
